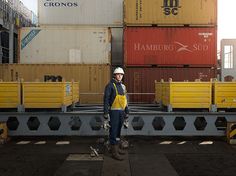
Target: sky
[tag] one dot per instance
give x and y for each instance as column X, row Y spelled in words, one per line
column 226, row 10
column 31, row 4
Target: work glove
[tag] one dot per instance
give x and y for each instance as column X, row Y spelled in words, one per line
column 126, row 123
column 106, row 116
column 126, row 116
column 106, row 126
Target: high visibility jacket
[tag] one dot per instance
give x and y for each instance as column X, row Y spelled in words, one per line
column 120, row 101
column 115, row 97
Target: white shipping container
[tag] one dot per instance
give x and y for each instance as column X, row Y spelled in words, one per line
column 81, row 12
column 58, row 45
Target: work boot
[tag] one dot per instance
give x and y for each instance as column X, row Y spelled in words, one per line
column 115, row 153
column 124, row 144
column 121, row 151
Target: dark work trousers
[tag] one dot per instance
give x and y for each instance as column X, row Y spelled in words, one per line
column 116, row 122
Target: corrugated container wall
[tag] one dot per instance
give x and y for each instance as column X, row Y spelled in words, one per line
column 141, row 80
column 170, row 46
column 59, row 45
column 170, row 12
column 92, row 78
column 81, row 12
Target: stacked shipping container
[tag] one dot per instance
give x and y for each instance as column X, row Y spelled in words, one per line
column 170, row 12
column 96, row 13
column 141, row 79
column 65, row 45
column 163, row 37
column 92, row 77
column 81, row 12
column 169, row 46
column 76, row 32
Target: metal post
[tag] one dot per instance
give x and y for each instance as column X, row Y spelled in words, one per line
column 1, row 54
column 11, row 43
column 11, row 37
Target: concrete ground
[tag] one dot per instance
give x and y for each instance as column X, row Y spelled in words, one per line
column 146, row 156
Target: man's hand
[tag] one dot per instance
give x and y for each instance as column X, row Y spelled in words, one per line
column 106, row 126
column 126, row 116
column 106, row 116
column 126, row 123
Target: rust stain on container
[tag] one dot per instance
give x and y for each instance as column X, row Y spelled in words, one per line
column 142, row 80
column 194, row 47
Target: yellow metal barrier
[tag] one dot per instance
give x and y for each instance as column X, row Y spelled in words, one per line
column 3, row 132
column 46, row 94
column 10, row 94
column 75, row 92
column 158, row 91
column 186, row 95
column 224, row 94
column 231, row 132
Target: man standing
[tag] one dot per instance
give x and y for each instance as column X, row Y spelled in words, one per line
column 115, row 106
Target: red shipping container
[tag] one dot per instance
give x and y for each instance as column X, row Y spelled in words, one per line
column 141, row 80
column 169, row 46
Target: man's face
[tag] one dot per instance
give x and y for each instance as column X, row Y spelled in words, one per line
column 118, row 77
